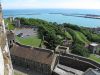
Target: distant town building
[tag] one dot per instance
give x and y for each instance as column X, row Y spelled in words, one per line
column 95, row 30
column 94, row 48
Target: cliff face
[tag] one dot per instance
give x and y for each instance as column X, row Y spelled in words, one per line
column 5, row 59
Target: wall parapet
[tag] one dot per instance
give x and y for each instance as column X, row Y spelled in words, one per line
column 83, row 59
column 37, row 48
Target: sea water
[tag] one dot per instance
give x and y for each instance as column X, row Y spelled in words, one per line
column 45, row 14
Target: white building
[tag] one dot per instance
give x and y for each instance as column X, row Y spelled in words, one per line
column 94, row 48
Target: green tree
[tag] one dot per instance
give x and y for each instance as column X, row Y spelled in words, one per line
column 80, row 50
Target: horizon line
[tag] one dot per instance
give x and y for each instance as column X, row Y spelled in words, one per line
column 51, row 8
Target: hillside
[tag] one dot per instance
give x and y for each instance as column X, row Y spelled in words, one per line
column 82, row 37
column 77, row 36
column 53, row 34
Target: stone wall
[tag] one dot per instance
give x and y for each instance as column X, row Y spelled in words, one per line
column 46, row 69
column 89, row 61
column 32, row 65
column 78, row 62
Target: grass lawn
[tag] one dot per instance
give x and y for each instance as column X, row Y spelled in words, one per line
column 95, row 57
column 76, row 35
column 30, row 41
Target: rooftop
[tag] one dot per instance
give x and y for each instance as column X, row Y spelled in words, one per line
column 94, row 44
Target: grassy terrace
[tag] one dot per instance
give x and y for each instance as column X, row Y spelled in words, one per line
column 76, row 35
column 95, row 58
column 30, row 41
column 68, row 35
column 81, row 37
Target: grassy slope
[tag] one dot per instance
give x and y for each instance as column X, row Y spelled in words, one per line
column 68, row 35
column 95, row 58
column 84, row 39
column 30, row 41
column 81, row 37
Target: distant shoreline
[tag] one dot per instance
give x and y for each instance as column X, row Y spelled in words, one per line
column 74, row 15
column 22, row 14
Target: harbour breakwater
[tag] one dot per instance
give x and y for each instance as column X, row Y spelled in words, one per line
column 80, row 15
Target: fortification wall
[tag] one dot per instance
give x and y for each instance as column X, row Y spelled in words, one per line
column 97, row 65
column 36, row 48
column 38, row 59
column 71, row 60
column 78, row 62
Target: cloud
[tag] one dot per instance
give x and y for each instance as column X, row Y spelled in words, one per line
column 79, row 4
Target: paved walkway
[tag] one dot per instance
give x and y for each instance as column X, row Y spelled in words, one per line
column 64, row 70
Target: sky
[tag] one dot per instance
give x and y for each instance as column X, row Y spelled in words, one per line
column 29, row 4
